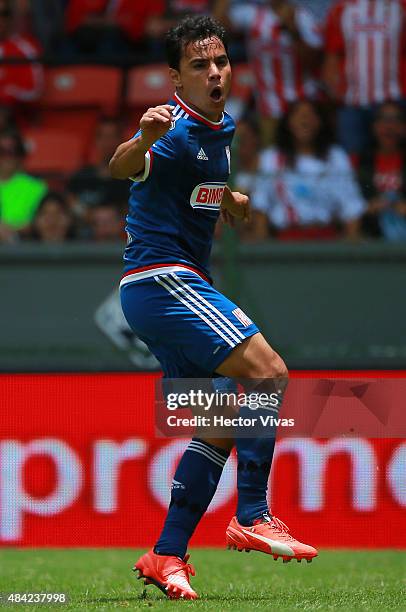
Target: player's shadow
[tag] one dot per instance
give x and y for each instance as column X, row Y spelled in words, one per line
column 148, row 597
column 237, row 597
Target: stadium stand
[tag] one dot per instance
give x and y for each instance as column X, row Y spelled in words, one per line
column 148, row 85
column 52, row 151
column 73, row 100
column 83, row 86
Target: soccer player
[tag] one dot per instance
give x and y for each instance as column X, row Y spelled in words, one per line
column 179, row 161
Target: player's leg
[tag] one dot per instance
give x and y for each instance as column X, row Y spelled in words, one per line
column 169, row 328
column 193, row 487
column 254, row 528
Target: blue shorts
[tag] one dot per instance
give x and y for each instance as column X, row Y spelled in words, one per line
column 188, row 325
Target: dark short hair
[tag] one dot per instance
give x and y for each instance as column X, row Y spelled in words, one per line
column 55, row 196
column 191, row 29
column 62, row 201
column 322, row 142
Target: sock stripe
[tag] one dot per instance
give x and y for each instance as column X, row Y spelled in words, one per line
column 201, row 452
column 213, row 451
column 209, row 451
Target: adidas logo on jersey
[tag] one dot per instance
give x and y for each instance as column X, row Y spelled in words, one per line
column 202, row 155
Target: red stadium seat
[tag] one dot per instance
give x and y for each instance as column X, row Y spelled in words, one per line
column 81, row 122
column 148, row 85
column 52, row 151
column 83, row 86
column 78, row 121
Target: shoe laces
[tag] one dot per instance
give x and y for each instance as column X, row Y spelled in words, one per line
column 278, row 526
column 184, row 566
column 188, row 567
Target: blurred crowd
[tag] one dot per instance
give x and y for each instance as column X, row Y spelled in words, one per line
column 320, row 140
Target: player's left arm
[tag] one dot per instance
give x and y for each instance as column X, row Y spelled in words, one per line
column 235, row 205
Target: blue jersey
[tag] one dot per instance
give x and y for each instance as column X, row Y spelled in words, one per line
column 175, row 203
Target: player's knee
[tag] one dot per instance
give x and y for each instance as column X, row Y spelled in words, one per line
column 269, row 366
column 276, row 367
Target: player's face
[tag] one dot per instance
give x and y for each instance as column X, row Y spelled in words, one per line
column 204, row 77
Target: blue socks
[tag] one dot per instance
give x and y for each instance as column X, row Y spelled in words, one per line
column 193, row 487
column 254, row 466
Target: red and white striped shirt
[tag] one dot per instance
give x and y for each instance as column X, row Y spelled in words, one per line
column 279, row 73
column 370, row 36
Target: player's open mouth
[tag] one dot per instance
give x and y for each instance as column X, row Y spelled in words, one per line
column 216, row 93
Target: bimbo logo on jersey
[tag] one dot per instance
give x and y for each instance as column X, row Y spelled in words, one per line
column 207, row 196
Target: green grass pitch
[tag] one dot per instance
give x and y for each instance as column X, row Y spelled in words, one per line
column 100, row 579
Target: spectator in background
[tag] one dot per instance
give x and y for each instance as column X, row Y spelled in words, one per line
column 365, row 63
column 53, row 221
column 245, row 156
column 382, row 175
column 21, row 82
column 306, row 187
column 245, row 161
column 20, row 193
column 105, row 222
column 109, row 28
column 93, row 184
column 284, row 44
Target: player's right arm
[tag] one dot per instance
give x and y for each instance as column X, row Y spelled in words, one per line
column 129, row 157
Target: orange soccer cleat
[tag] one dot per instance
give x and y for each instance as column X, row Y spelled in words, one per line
column 168, row 573
column 269, row 535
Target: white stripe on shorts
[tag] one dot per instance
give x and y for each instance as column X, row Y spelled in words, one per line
column 209, row 305
column 182, row 288
column 161, row 280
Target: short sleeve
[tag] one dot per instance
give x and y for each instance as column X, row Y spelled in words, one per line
column 168, row 147
column 142, row 176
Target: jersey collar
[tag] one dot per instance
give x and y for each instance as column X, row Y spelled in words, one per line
column 215, row 125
